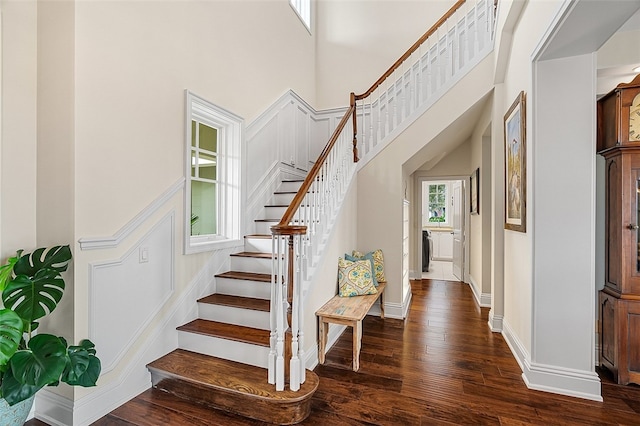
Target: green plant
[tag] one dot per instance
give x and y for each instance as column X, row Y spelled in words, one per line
column 32, row 286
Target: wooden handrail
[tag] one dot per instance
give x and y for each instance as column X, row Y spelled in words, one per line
column 284, row 227
column 412, row 49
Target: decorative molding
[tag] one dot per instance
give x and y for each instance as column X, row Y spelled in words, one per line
column 134, row 378
column 54, row 409
column 563, row 381
column 482, row 299
column 517, row 348
column 407, row 302
column 548, row 378
column 111, row 273
column 495, row 322
column 95, row 243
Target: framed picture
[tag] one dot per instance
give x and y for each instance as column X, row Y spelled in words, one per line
column 475, row 190
column 515, row 166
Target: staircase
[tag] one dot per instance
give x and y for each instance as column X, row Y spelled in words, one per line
column 222, row 357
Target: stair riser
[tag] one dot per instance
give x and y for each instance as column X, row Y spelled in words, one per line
column 289, row 186
column 251, row 264
column 262, row 245
column 247, row 405
column 264, row 227
column 282, row 198
column 222, row 348
column 233, row 315
column 245, row 288
column 274, row 212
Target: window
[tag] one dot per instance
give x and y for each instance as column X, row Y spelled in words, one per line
column 303, row 9
column 212, row 195
column 436, row 200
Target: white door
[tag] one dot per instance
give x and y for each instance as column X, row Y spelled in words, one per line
column 458, row 234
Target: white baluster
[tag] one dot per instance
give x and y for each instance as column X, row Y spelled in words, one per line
column 371, row 136
column 271, row 363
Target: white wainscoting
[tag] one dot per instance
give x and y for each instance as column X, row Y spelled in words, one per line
column 283, row 143
column 125, row 294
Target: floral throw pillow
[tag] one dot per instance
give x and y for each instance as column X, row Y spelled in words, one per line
column 368, row 257
column 378, row 263
column 355, row 278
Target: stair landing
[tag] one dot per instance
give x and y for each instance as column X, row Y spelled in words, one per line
column 231, row 386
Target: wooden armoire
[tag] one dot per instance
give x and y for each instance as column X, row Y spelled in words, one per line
column 618, row 141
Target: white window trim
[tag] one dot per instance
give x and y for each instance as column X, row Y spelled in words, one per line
column 302, row 8
column 449, row 199
column 229, row 127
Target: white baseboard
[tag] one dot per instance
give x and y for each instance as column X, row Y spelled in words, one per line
column 563, row 381
column 53, row 409
column 549, row 378
column 132, row 378
column 482, row 299
column 495, row 322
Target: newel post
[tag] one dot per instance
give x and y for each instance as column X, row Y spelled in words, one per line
column 288, row 319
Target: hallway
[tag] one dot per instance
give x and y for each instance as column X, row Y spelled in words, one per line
column 440, row 366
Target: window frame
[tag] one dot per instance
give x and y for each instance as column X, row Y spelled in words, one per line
column 447, row 195
column 302, row 8
column 228, row 184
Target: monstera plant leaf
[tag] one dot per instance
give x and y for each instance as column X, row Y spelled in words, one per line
column 83, row 367
column 33, row 298
column 42, row 363
column 37, row 286
column 56, row 258
column 10, row 334
column 13, row 391
column 6, row 271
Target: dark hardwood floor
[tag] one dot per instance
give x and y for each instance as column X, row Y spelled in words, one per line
column 441, row 366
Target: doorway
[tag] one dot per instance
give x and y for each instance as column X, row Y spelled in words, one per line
column 442, row 204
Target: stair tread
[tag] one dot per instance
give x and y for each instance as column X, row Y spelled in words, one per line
column 237, row 302
column 250, row 276
column 256, row 254
column 230, row 376
column 259, row 236
column 222, row 330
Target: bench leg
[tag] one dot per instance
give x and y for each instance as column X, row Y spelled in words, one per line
column 382, row 305
column 322, row 335
column 357, row 343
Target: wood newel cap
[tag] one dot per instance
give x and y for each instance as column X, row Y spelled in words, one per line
column 288, row 230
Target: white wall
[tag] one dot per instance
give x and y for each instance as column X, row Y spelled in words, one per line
column 380, row 181
column 19, row 112
column 359, row 40
column 518, row 246
column 93, row 128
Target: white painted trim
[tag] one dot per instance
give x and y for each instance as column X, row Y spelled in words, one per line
column 563, row 381
column 142, row 326
column 393, row 310
column 53, row 409
column 495, row 322
column 517, row 348
column 134, row 378
column 409, row 120
column 93, row 243
column 406, row 302
column 482, row 299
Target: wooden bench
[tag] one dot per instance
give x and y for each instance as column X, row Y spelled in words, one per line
column 347, row 311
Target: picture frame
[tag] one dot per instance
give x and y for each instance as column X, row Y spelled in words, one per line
column 475, row 192
column 515, row 166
